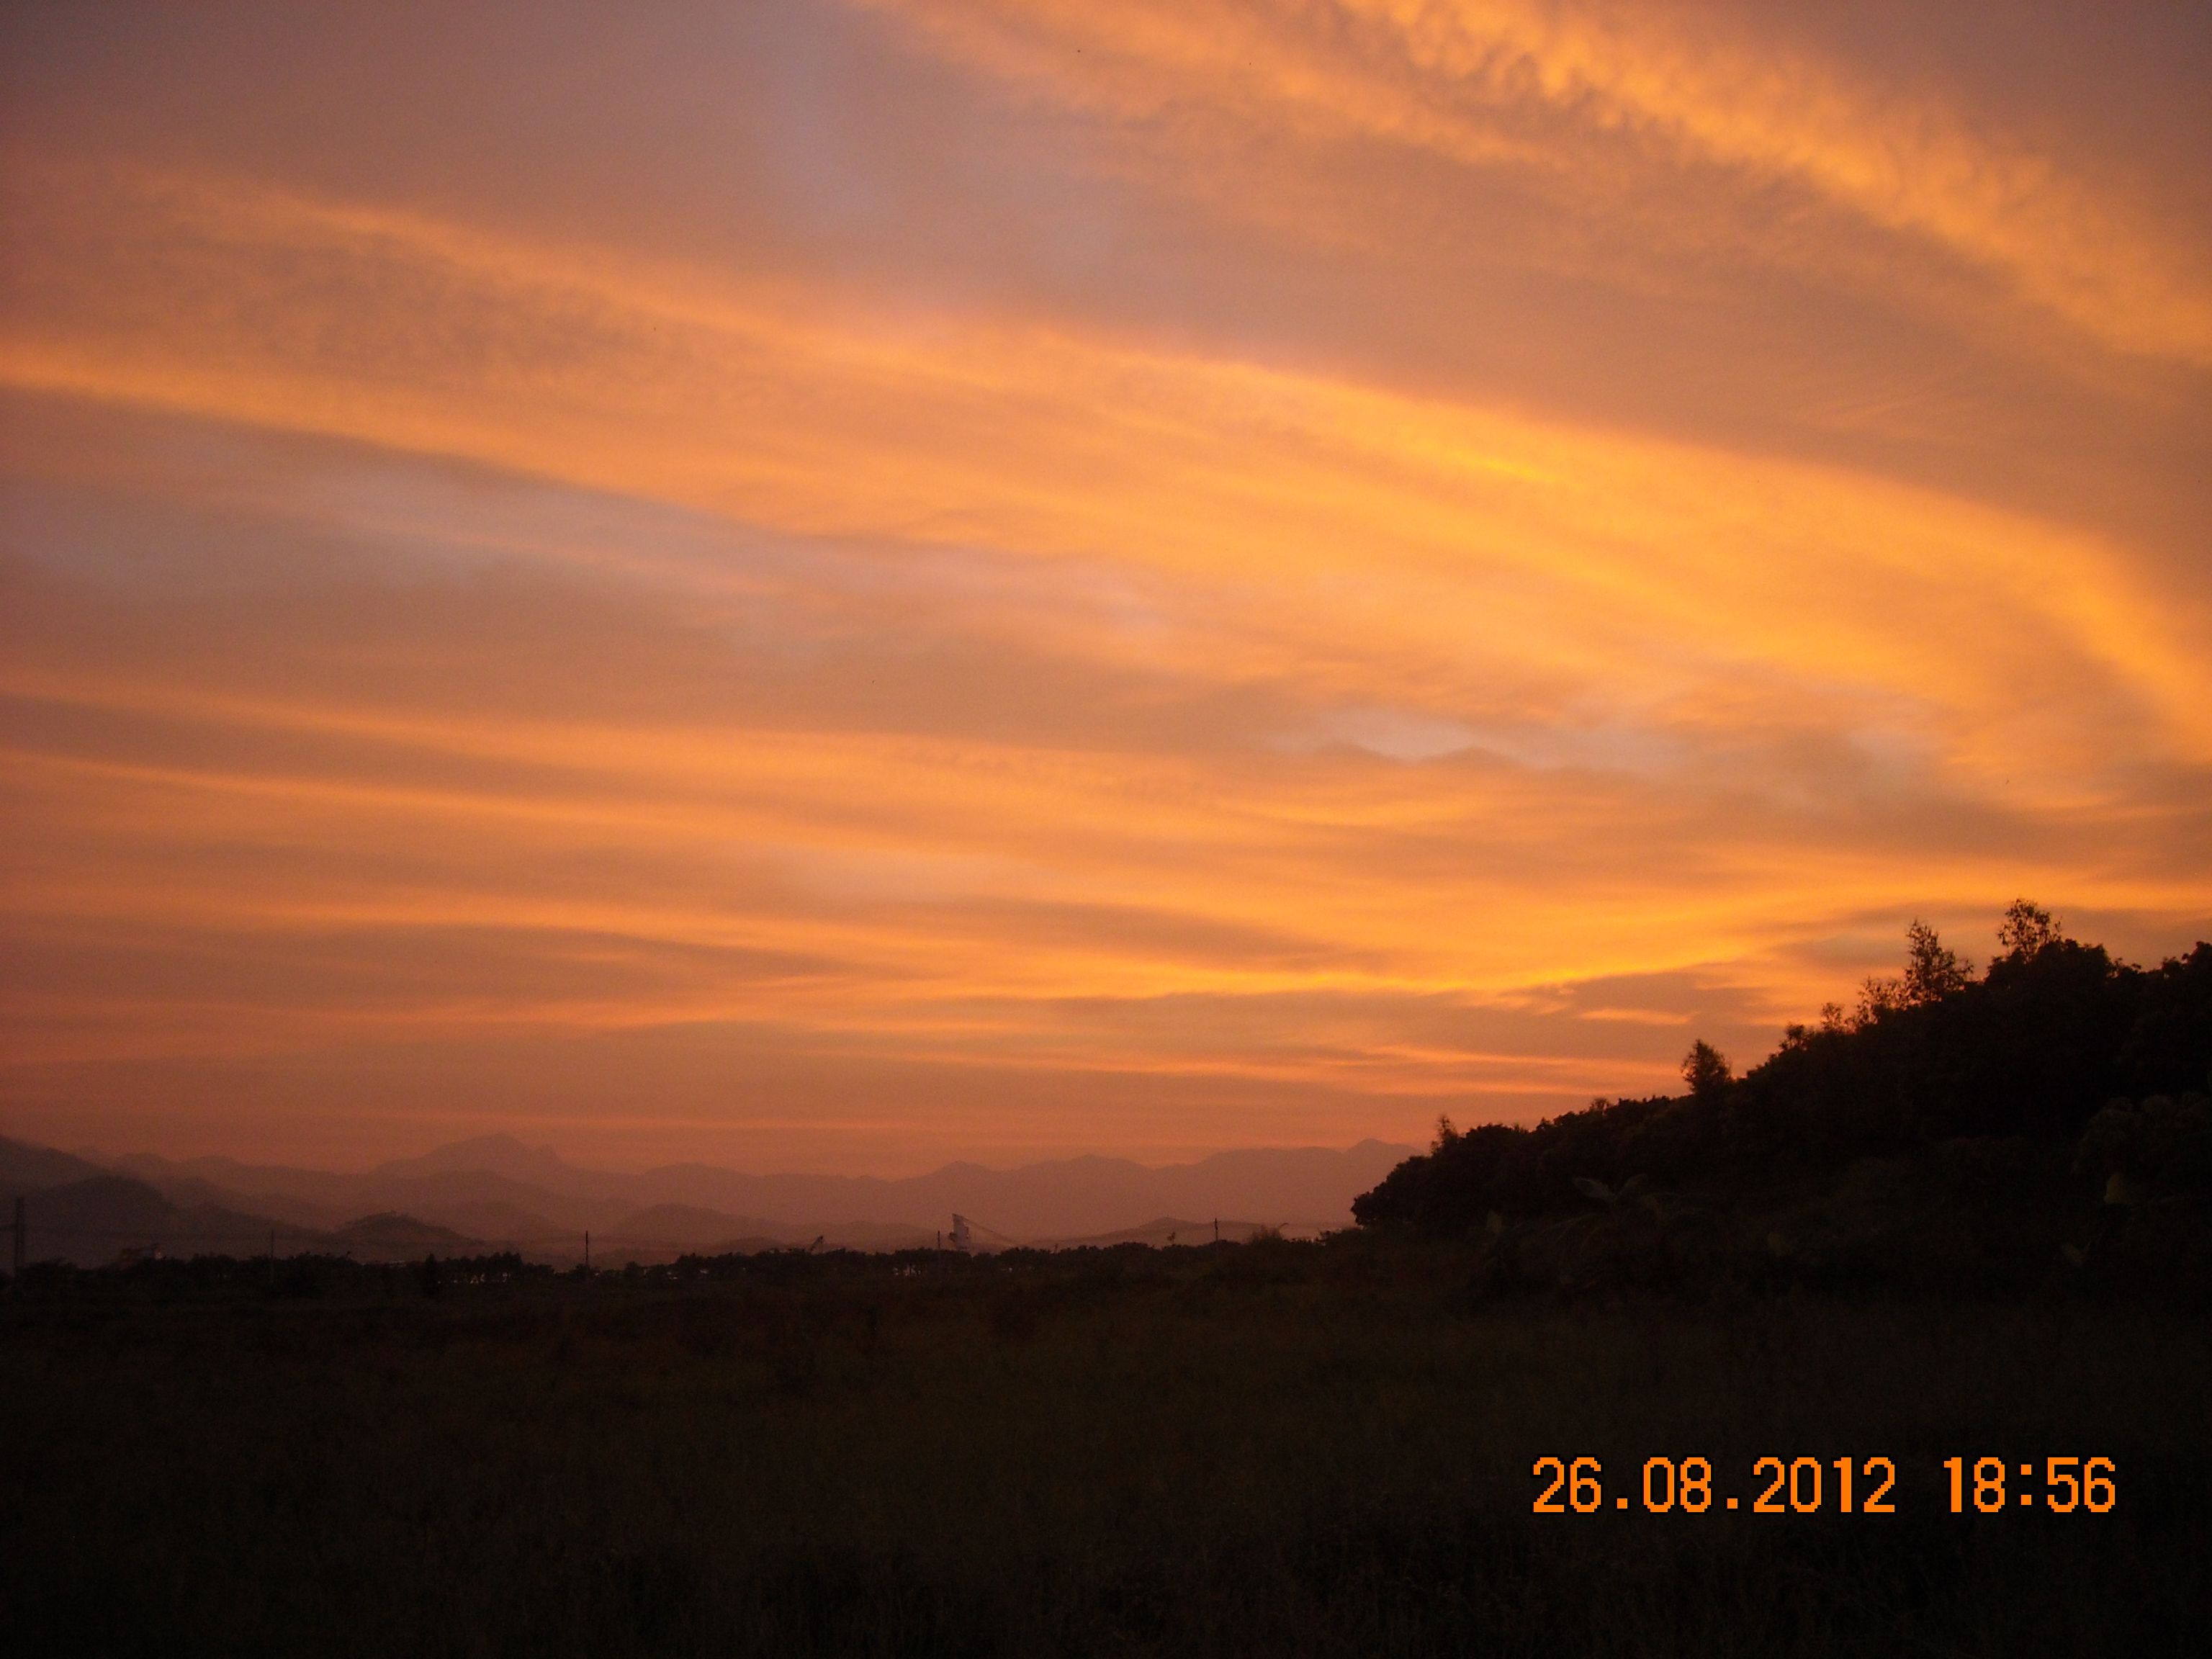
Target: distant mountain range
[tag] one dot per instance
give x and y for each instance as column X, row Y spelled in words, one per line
column 495, row 1193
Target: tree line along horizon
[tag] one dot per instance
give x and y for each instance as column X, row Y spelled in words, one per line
column 2087, row 1073
column 1932, row 972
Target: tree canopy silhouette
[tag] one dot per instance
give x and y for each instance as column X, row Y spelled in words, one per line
column 1706, row 1070
column 2029, row 1052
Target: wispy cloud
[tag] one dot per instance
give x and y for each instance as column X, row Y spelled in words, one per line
column 1591, row 99
column 565, row 670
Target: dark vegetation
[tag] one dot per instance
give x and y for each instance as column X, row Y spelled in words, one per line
column 2043, row 1124
column 1273, row 1448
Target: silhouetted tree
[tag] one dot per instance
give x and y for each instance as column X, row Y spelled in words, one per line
column 1931, row 973
column 2027, row 929
column 1879, row 995
column 1705, row 1069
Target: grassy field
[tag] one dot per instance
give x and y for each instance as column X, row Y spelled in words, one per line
column 1277, row 1450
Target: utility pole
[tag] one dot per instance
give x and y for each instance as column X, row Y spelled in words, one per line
column 272, row 1258
column 18, row 1257
column 1217, row 1230
column 587, row 1252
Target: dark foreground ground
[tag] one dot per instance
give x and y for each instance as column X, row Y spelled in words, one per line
column 1271, row 1450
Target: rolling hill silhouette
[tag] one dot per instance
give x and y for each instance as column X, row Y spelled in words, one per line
column 496, row 1192
column 2047, row 1120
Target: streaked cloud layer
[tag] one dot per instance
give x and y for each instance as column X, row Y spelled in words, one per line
column 850, row 586
column 1594, row 101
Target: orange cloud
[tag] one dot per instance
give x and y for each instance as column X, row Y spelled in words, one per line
column 1548, row 551
column 1468, row 78
column 553, row 669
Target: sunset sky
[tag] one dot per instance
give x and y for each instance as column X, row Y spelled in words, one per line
column 842, row 586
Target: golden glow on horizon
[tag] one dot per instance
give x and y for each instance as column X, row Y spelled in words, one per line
column 678, row 649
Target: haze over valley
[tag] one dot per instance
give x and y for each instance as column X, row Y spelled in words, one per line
column 495, row 1193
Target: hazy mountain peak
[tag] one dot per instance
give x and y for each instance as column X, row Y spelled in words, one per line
column 27, row 1169
column 497, row 1187
column 492, row 1154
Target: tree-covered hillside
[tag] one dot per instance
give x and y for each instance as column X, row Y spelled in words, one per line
column 2005, row 1112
